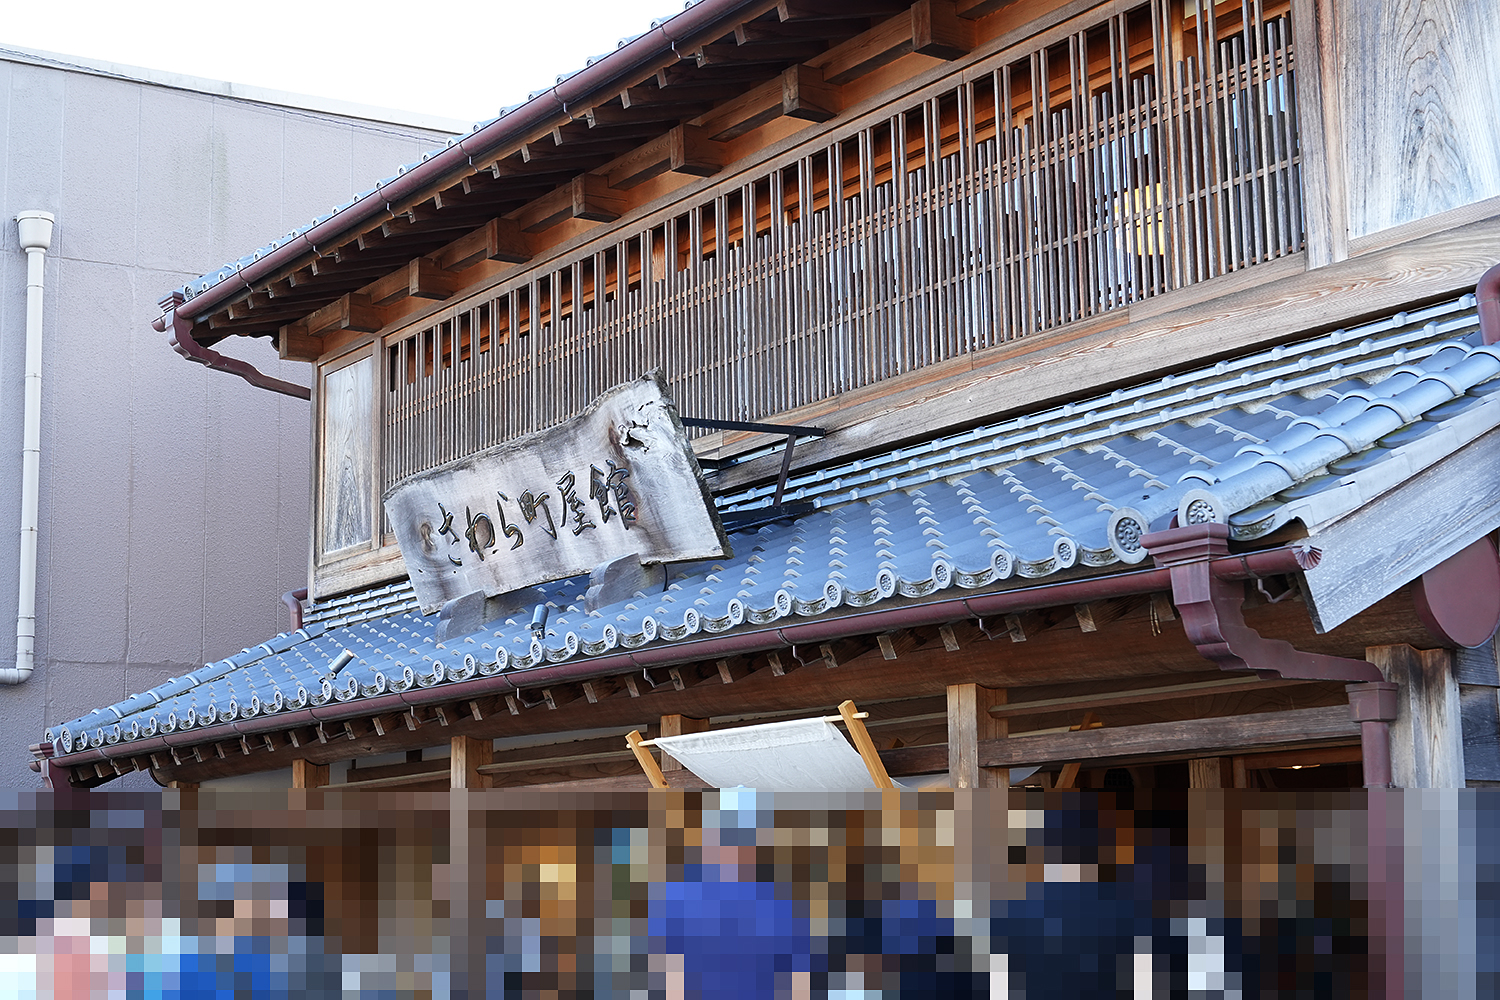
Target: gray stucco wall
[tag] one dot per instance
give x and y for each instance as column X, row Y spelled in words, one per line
column 174, row 500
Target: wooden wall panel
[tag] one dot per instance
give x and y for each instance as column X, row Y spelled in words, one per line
column 347, row 488
column 1421, row 100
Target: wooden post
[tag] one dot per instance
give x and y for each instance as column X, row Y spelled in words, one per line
column 865, row 745
column 1427, row 737
column 468, row 756
column 1068, row 776
column 969, row 722
column 644, row 758
column 1206, row 772
column 678, row 725
column 306, row 774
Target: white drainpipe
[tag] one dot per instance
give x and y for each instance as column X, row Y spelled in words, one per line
column 35, row 231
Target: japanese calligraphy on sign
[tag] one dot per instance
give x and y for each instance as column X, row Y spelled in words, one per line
column 620, row 479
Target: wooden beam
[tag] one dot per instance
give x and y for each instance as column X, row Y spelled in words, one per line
column 497, row 239
column 779, row 51
column 609, row 115
column 807, row 95
column 678, row 725
column 247, row 307
column 294, row 343
column 426, row 280
column 771, row 31
column 827, row 10
column 587, row 196
column 929, row 27
column 938, row 31
column 1140, row 696
column 969, row 722
column 677, row 96
column 353, row 311
column 1208, row 772
column 744, row 113
column 949, row 637
column 973, row 9
column 583, row 137
column 1068, row 776
column 306, row 774
column 468, row 755
column 1195, row 737
column 686, row 149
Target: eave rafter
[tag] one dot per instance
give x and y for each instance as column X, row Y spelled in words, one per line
column 785, row 60
column 696, row 686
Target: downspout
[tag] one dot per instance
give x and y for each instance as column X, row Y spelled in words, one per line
column 293, row 600
column 1209, row 606
column 35, row 231
column 182, row 341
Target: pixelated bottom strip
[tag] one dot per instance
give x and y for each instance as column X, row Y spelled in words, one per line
column 1223, row 893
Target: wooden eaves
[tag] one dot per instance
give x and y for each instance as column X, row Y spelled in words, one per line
column 674, row 100
column 909, row 654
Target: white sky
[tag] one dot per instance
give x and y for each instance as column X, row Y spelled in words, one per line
column 462, row 60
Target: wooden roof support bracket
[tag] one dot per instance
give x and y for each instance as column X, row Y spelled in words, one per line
column 974, row 9
column 686, row 149
column 806, row 95
column 497, row 239
column 353, row 311
column 587, row 196
column 294, row 343
column 930, row 28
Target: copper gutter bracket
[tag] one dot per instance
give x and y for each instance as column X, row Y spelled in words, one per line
column 1211, row 613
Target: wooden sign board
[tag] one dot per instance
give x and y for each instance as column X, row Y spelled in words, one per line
column 621, row 479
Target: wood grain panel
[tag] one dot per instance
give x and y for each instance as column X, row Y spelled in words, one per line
column 1421, row 92
column 1481, row 732
column 1403, row 534
column 347, row 489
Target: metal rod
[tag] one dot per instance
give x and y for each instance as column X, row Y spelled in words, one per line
column 824, row 718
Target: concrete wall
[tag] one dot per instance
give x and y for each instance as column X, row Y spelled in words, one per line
column 174, row 500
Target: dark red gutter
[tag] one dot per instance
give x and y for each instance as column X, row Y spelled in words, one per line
column 1256, row 565
column 539, row 112
column 293, row 600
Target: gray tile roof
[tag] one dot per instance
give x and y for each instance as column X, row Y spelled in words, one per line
column 1308, row 431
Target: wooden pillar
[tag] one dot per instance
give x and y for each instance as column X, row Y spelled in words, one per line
column 468, row 755
column 970, row 722
column 1206, row 772
column 306, row 774
column 678, row 725
column 1427, row 748
column 467, row 864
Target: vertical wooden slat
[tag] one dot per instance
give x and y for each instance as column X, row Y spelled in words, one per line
column 1134, row 176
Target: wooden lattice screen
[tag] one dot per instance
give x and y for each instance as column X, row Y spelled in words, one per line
column 1152, row 151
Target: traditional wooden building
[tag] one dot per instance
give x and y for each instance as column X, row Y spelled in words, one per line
column 1094, row 387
